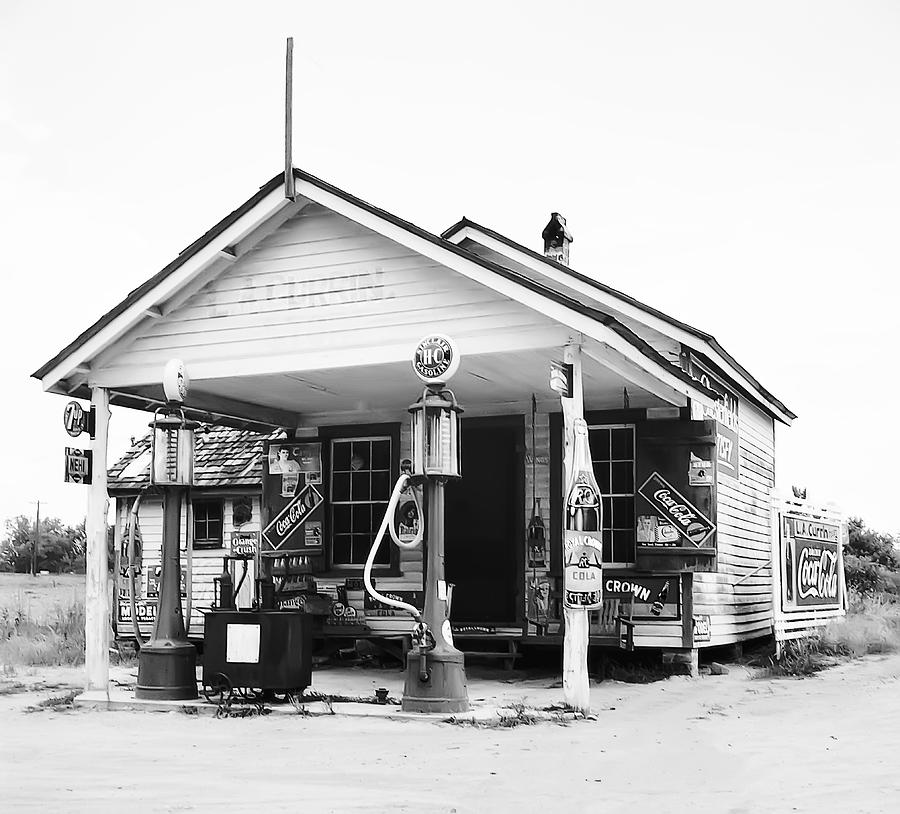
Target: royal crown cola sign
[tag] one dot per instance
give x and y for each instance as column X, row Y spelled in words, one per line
column 583, row 546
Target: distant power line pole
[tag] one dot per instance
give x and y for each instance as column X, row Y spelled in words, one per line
column 35, row 538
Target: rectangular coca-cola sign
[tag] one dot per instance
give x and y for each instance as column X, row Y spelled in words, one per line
column 677, row 509
column 292, row 517
column 811, row 563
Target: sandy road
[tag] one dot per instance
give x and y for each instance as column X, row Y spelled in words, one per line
column 720, row 744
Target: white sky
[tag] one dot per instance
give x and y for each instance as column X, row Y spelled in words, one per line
column 735, row 165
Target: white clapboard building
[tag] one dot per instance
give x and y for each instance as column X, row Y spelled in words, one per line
column 296, row 319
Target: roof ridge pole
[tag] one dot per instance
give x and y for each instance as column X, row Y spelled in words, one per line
column 96, row 594
column 289, row 191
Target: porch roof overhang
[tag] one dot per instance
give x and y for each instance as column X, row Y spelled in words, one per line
column 229, row 392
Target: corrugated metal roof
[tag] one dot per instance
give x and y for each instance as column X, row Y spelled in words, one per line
column 223, row 457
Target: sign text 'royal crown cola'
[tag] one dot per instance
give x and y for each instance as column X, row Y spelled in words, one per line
column 583, row 578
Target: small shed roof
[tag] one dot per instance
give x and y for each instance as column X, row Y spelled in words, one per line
column 223, row 458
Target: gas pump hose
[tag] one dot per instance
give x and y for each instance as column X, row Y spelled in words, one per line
column 188, row 559
column 132, row 522
column 421, row 634
column 385, row 524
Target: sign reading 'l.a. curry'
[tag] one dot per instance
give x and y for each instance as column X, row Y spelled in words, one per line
column 292, row 517
column 677, row 509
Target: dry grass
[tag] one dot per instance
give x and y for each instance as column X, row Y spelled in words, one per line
column 41, row 621
column 871, row 626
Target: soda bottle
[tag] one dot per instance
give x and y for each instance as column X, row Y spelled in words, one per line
column 583, row 548
column 536, row 537
column 583, row 508
column 657, row 606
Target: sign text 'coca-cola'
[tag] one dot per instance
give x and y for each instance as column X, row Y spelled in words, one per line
column 677, row 509
column 292, row 517
column 811, row 563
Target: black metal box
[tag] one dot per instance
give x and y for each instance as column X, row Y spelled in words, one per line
column 259, row 649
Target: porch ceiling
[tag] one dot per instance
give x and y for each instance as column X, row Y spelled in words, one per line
column 484, row 383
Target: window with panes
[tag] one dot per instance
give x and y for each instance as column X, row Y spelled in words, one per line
column 208, row 523
column 360, row 490
column 612, row 453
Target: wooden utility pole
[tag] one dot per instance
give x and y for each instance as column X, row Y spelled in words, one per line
column 35, row 539
column 576, row 685
column 96, row 595
column 289, row 120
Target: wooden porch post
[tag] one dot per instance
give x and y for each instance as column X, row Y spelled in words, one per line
column 576, row 685
column 96, row 596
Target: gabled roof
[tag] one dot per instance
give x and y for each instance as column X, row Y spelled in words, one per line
column 142, row 297
column 223, row 458
column 704, row 341
column 183, row 256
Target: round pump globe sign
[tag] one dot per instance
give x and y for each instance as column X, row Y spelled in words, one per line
column 175, row 381
column 436, row 359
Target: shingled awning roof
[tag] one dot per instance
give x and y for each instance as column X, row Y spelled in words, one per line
column 223, row 457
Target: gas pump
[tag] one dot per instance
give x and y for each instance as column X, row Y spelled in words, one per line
column 168, row 661
column 435, row 669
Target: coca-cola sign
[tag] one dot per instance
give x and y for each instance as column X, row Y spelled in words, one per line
column 292, row 517
column 811, row 562
column 677, row 509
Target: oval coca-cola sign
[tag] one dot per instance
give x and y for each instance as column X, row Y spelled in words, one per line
column 436, row 359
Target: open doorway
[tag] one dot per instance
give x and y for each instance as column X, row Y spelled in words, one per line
column 485, row 523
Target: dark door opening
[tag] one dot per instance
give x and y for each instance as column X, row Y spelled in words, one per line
column 484, row 523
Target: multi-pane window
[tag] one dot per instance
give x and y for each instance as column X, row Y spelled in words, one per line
column 360, row 490
column 208, row 523
column 612, row 453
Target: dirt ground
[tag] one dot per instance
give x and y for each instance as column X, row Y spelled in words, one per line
column 730, row 743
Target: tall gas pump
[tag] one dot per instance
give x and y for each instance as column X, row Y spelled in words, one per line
column 168, row 661
column 435, row 669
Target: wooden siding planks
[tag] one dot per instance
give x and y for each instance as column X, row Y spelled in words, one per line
column 738, row 598
column 325, row 282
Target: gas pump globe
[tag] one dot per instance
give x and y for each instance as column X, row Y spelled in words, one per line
column 435, row 434
column 172, row 443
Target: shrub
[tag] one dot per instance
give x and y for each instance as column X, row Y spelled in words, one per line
column 869, row 577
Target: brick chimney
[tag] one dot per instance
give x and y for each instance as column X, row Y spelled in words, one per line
column 557, row 239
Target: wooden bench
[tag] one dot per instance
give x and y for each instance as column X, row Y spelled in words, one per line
column 509, row 655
